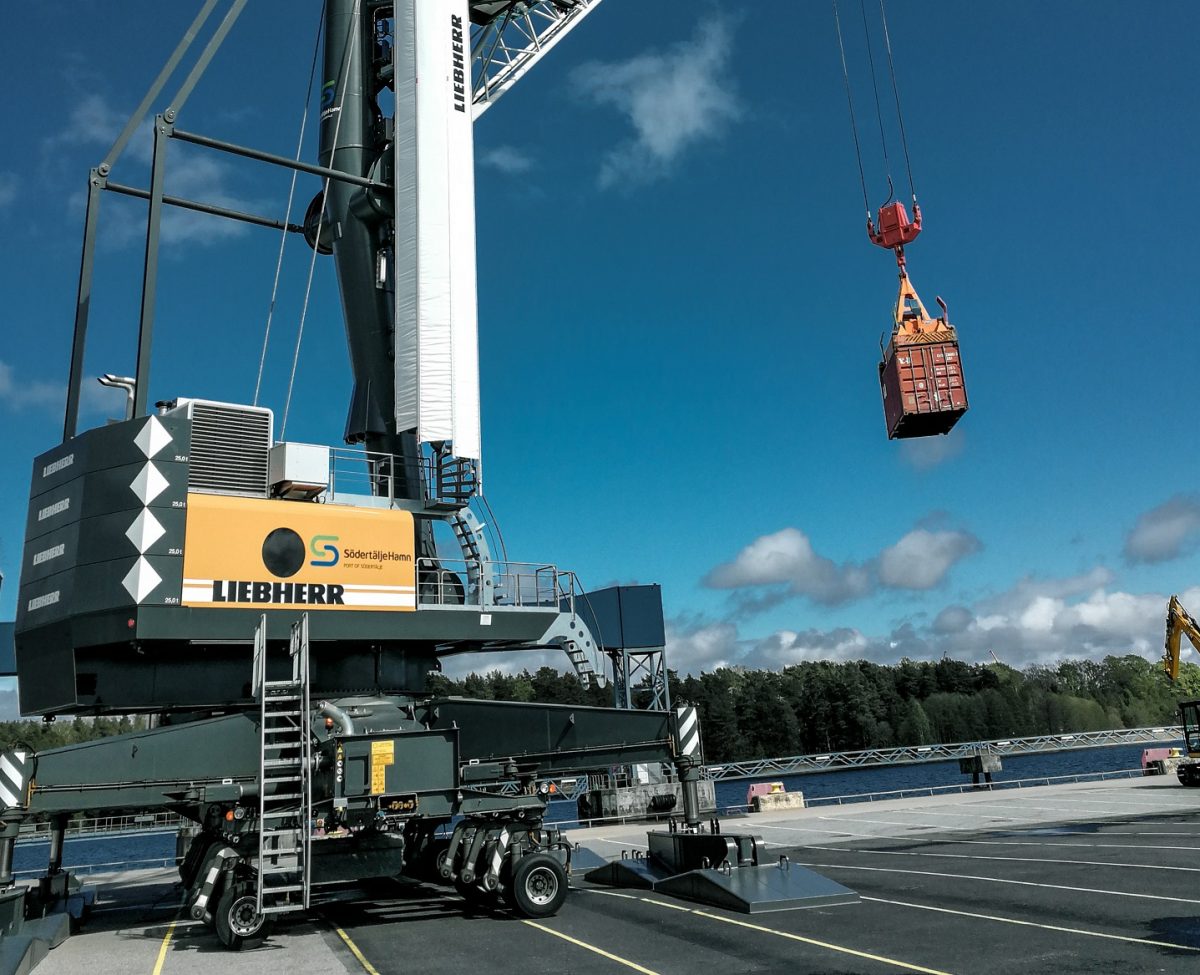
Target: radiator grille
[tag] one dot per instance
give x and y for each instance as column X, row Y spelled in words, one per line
column 231, row 448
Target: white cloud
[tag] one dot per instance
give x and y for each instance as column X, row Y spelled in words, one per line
column 1035, row 621
column 691, row 648
column 507, row 159
column 784, row 564
column 925, row 453
column 9, row 185
column 1164, row 532
column 192, row 173
column 39, row 394
column 921, row 559
column 28, row 394
column 787, row 557
column 674, row 99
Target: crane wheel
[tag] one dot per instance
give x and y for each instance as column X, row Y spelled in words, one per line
column 238, row 923
column 539, row 886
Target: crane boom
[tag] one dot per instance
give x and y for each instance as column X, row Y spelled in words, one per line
column 1179, row 624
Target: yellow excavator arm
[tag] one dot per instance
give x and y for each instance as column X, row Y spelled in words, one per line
column 1179, row 624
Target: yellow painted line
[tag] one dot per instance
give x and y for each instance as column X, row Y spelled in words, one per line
column 908, row 967
column 599, row 951
column 1035, row 924
column 162, row 949
column 354, row 950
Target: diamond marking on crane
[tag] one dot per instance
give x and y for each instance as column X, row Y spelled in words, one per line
column 145, row 530
column 152, row 438
column 141, row 580
column 149, row 484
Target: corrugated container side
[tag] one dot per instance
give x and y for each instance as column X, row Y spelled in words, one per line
column 923, row 388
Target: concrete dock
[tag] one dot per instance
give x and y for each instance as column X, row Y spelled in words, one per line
column 1095, row 877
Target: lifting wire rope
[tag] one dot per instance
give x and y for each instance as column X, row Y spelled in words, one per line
column 896, row 93
column 878, row 105
column 321, row 218
column 262, row 359
column 850, row 102
column 887, row 164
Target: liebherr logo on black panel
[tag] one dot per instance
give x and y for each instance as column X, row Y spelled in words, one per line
column 460, row 74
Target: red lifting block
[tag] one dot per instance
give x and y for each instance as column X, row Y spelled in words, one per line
column 895, row 229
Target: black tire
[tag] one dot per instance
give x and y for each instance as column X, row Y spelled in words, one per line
column 539, row 886
column 429, row 862
column 238, row 923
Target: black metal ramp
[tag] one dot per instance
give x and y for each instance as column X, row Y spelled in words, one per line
column 758, row 890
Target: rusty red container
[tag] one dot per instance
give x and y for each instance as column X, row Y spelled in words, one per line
column 922, row 383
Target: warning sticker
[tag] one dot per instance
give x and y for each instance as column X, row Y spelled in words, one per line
column 383, row 754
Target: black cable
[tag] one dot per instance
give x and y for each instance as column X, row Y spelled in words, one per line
column 878, row 108
column 896, row 91
column 850, row 102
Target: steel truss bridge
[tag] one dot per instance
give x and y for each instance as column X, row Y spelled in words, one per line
column 914, row 754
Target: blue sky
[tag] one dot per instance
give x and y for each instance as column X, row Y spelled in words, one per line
column 680, row 312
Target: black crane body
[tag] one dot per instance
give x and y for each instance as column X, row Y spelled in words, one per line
column 277, row 606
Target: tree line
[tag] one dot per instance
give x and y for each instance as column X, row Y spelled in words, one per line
column 823, row 706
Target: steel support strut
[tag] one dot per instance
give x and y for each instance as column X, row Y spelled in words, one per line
column 83, row 301
column 150, row 274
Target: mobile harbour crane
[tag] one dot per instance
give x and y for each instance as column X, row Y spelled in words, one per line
column 175, row 563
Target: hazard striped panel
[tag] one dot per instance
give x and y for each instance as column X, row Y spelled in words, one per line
column 15, row 769
column 687, row 731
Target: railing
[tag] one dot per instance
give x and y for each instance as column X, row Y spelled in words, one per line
column 443, row 479
column 482, row 583
column 914, row 754
column 960, row 788
column 107, row 824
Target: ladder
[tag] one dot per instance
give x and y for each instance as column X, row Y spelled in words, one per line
column 284, row 776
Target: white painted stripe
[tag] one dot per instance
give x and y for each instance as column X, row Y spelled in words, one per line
column 1096, row 846
column 958, row 842
column 623, row 843
column 379, row 599
column 687, row 721
column 969, row 856
column 823, row 832
column 382, row 600
column 11, row 772
column 1034, row 924
column 1000, row 880
column 21, row 756
column 891, row 822
column 9, row 800
column 207, row 585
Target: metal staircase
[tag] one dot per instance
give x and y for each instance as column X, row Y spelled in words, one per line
column 285, row 777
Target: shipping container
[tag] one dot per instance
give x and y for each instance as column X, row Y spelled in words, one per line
column 922, row 383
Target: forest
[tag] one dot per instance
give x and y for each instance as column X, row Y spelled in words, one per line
column 823, row 706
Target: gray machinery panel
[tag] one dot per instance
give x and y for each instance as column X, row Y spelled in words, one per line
column 625, row 617
column 98, row 587
column 106, row 491
column 114, row 445
column 8, row 651
column 102, row 539
column 135, row 771
column 557, row 737
column 417, row 761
